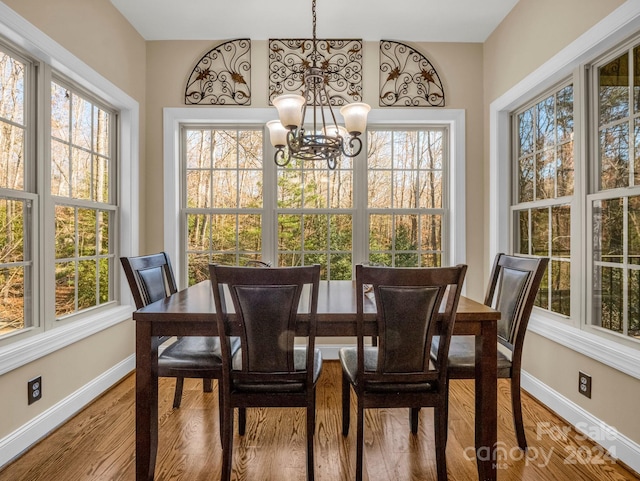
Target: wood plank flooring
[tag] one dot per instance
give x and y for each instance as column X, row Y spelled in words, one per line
column 99, row 443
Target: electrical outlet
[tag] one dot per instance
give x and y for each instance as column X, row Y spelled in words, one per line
column 34, row 387
column 584, row 384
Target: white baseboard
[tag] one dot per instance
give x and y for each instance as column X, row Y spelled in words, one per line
column 616, row 444
column 20, row 440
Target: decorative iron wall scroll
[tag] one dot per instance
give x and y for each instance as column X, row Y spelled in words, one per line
column 407, row 78
column 341, row 59
column 222, row 76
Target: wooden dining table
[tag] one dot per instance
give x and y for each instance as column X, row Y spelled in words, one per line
column 191, row 312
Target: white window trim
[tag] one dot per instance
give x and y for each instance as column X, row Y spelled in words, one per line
column 39, row 342
column 612, row 30
column 454, row 119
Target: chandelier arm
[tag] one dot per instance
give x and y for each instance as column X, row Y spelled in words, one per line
column 353, row 143
column 280, row 158
column 294, row 140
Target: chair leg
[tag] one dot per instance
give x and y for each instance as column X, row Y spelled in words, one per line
column 207, row 385
column 359, row 439
column 346, row 404
column 227, row 444
column 221, row 414
column 446, row 416
column 311, row 424
column 413, row 419
column 440, row 427
column 242, row 421
column 516, row 407
column 177, row 397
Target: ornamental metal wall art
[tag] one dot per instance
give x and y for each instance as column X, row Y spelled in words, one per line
column 222, row 76
column 407, row 78
column 341, row 59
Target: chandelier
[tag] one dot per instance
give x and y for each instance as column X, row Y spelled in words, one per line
column 323, row 142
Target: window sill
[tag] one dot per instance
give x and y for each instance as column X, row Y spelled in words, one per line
column 613, row 354
column 28, row 350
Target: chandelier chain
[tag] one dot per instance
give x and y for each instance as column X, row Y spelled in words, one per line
column 313, row 16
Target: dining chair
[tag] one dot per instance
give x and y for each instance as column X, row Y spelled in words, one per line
column 268, row 308
column 150, row 279
column 513, row 286
column 412, row 306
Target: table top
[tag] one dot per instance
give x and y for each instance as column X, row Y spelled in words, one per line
column 336, row 309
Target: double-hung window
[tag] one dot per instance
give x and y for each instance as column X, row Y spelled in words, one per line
column 18, row 200
column 543, row 177
column 82, row 165
column 614, row 204
column 223, row 201
column 407, row 195
column 315, row 216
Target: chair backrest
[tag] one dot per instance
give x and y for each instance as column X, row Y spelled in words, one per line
column 412, row 306
column 150, row 277
column 266, row 310
column 512, row 290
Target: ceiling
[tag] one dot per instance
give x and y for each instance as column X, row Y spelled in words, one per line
column 372, row 20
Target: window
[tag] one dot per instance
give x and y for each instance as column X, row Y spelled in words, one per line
column 543, row 179
column 82, row 188
column 58, row 211
column 224, row 206
column 406, row 196
column 236, row 208
column 17, row 202
column 615, row 202
column 315, row 216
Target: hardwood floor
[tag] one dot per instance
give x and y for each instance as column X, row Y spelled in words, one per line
column 98, row 443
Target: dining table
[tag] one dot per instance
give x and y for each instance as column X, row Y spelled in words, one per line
column 191, row 312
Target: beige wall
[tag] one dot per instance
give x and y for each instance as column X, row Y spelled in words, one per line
column 459, row 65
column 532, row 33
column 540, row 29
column 96, row 33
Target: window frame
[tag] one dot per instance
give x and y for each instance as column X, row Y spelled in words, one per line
column 572, row 200
column 24, row 347
column 173, row 118
column 443, row 211
column 28, row 192
column 571, row 61
column 110, row 206
column 597, row 193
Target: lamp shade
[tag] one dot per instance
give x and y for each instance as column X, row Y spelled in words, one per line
column 333, row 130
column 277, row 133
column 355, row 117
column 289, row 109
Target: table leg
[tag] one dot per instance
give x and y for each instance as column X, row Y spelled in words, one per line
column 486, row 430
column 146, row 402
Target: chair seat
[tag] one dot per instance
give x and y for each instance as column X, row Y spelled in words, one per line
column 189, row 353
column 349, row 360
column 462, row 356
column 300, row 362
